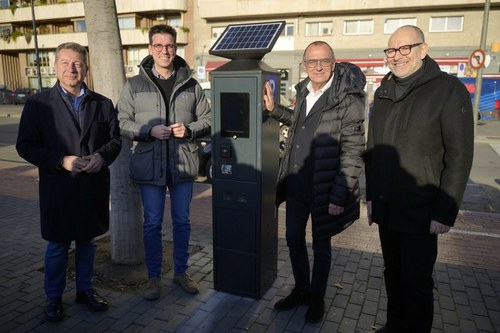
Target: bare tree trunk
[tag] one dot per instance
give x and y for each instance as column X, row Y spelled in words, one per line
column 106, row 59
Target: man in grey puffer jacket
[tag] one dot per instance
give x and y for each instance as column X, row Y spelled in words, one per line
column 164, row 110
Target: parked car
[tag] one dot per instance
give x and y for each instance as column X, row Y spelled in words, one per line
column 20, row 95
column 205, row 156
column 5, row 95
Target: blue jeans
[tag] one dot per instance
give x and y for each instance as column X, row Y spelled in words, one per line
column 297, row 214
column 153, row 200
column 56, row 263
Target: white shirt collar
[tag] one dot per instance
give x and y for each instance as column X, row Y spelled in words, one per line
column 322, row 90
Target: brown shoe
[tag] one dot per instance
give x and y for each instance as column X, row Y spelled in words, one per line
column 189, row 285
column 153, row 289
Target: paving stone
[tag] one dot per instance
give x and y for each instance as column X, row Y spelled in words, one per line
column 466, row 294
column 483, row 323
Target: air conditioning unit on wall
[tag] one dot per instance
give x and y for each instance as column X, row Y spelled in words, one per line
column 129, row 69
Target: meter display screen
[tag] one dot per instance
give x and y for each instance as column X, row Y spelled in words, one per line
column 235, row 115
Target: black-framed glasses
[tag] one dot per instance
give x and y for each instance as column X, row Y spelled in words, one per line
column 325, row 62
column 403, row 50
column 159, row 47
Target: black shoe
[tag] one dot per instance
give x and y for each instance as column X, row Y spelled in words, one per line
column 293, row 300
column 92, row 299
column 382, row 330
column 316, row 310
column 53, row 310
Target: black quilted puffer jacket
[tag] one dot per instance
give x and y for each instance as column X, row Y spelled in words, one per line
column 337, row 145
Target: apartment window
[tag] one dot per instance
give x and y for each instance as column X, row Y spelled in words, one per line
column 446, row 23
column 134, row 56
column 175, row 22
column 319, row 28
column 180, row 51
column 358, row 27
column 390, row 25
column 80, row 26
column 288, row 30
column 126, row 23
column 44, row 59
column 6, row 28
column 4, row 4
column 217, row 31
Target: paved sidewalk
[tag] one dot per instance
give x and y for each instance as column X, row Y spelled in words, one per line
column 467, row 274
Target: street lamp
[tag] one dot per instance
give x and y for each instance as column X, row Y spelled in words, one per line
column 36, row 46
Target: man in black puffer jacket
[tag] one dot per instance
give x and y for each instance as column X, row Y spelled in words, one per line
column 319, row 172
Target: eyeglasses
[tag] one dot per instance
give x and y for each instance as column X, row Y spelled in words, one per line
column 159, row 47
column 403, row 50
column 312, row 63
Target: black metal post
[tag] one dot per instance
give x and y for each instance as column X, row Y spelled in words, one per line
column 36, row 46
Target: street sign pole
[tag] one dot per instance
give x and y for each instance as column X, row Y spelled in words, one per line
column 479, row 77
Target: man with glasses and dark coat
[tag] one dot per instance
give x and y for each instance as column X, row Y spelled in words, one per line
column 319, row 172
column 418, row 159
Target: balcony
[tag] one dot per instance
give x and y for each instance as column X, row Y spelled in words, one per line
column 53, row 13
column 140, row 37
column 260, row 9
column 75, row 9
column 51, row 41
column 42, row 13
column 163, row 6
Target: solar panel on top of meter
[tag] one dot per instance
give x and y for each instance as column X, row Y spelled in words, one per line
column 248, row 37
column 247, row 40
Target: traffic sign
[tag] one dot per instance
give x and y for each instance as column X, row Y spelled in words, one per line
column 477, row 59
column 201, row 72
column 461, row 69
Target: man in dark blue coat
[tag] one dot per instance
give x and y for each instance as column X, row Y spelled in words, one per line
column 71, row 134
column 418, row 159
column 319, row 172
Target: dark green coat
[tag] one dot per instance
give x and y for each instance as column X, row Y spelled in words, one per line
column 420, row 149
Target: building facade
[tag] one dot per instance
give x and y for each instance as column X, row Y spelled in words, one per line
column 357, row 30
column 59, row 21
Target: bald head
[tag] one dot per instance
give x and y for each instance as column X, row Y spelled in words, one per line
column 406, row 51
column 409, row 30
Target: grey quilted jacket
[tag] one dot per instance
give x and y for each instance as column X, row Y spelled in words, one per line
column 141, row 107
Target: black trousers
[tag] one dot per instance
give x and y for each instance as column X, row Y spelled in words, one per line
column 409, row 263
column 297, row 214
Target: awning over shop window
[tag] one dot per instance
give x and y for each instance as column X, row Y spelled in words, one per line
column 211, row 65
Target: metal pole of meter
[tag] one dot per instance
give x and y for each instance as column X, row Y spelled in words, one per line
column 479, row 77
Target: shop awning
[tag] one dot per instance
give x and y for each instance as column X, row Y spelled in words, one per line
column 213, row 64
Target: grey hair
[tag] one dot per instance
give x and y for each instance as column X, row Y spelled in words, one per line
column 316, row 43
column 75, row 47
